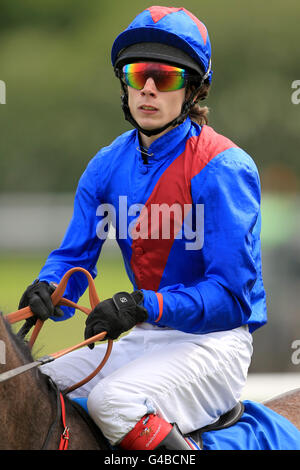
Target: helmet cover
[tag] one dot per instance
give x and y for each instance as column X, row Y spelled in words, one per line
column 175, row 27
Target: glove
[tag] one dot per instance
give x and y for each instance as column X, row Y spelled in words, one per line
column 38, row 297
column 116, row 315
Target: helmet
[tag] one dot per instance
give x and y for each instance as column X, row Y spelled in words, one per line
column 175, row 27
column 165, row 34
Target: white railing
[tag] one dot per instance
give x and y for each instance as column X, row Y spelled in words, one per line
column 262, row 387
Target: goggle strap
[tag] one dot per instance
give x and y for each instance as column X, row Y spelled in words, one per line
column 186, row 107
column 207, row 72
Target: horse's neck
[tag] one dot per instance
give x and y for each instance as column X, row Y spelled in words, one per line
column 22, row 396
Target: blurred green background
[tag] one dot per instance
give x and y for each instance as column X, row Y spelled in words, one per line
column 63, row 105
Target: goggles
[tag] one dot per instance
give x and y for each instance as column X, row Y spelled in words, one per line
column 166, row 77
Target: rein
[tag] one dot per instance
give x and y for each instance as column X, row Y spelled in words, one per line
column 58, row 299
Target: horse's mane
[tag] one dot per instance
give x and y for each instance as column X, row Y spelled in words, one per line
column 19, row 343
column 23, row 351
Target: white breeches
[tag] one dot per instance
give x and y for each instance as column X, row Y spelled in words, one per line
column 188, row 379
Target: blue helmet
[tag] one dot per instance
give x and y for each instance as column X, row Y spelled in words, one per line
column 173, row 27
column 172, row 35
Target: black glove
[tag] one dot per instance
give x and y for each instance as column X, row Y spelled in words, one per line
column 116, row 315
column 38, row 297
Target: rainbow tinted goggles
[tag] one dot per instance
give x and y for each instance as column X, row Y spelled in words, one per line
column 166, row 77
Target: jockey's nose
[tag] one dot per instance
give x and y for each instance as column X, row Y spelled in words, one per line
column 149, row 87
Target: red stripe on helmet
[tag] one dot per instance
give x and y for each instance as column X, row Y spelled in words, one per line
column 157, row 13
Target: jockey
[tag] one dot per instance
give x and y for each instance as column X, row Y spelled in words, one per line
column 198, row 293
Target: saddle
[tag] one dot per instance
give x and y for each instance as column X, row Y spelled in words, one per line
column 226, row 420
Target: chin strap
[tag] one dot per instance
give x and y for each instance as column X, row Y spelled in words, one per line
column 175, row 122
column 188, row 103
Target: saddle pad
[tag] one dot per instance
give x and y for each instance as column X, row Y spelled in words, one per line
column 82, row 402
column 259, row 428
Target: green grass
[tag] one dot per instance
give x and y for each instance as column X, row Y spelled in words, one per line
column 17, row 271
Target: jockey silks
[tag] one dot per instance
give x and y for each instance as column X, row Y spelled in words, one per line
column 210, row 283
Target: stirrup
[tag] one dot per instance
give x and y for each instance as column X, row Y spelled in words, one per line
column 176, row 441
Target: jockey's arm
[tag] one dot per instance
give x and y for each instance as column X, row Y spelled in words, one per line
column 80, row 246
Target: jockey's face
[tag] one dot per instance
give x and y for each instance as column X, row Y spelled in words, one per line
column 152, row 108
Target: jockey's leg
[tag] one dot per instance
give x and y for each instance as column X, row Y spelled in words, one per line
column 182, row 378
column 75, row 366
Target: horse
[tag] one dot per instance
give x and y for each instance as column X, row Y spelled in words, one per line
column 29, row 418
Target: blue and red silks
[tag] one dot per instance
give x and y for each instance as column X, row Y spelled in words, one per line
column 210, row 283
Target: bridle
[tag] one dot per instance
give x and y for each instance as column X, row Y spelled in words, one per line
column 25, row 313
column 59, row 417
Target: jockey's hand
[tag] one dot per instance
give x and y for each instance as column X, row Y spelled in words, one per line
column 116, row 315
column 38, row 297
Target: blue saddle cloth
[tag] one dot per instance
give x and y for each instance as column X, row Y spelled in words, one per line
column 259, row 428
column 82, row 402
